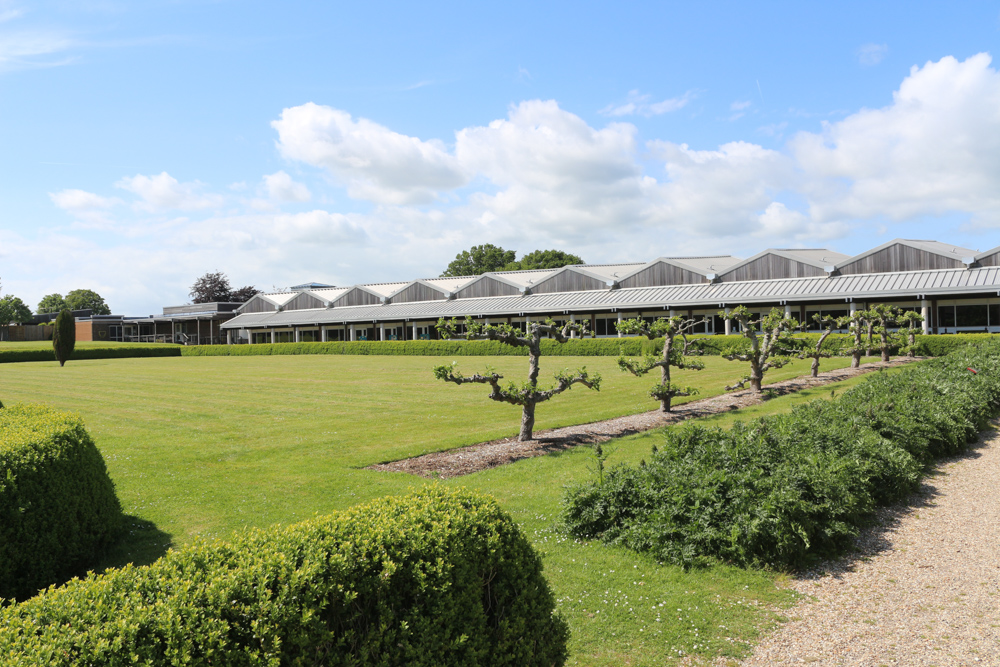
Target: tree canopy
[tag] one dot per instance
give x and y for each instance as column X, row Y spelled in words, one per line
column 544, row 259
column 478, row 260
column 485, row 258
column 52, row 303
column 82, row 299
column 213, row 287
column 12, row 309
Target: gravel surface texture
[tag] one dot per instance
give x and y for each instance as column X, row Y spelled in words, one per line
column 466, row 460
column 923, row 587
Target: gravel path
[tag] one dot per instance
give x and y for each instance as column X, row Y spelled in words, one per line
column 924, row 587
column 465, row 460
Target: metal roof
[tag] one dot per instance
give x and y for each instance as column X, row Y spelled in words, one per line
column 859, row 287
column 936, row 247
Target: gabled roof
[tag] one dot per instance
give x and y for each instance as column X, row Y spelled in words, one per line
column 525, row 278
column 582, row 269
column 437, row 288
column 953, row 252
column 610, row 272
column 329, row 295
column 704, row 266
column 501, row 277
column 451, row 283
column 819, row 258
column 382, row 289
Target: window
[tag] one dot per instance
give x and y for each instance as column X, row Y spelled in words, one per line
column 946, row 316
column 972, row 316
column 309, row 336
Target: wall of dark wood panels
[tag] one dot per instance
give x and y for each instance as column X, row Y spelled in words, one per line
column 418, row 292
column 568, row 281
column 771, row 267
column 485, row 287
column 900, row 257
column 662, row 273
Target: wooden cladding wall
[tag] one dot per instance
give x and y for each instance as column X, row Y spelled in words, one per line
column 900, row 257
column 258, row 305
column 304, row 301
column 357, row 297
column 771, row 267
column 485, row 287
column 568, row 281
column 990, row 260
column 418, row 292
column 661, row 274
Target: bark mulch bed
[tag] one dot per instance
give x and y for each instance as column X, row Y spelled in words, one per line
column 485, row 455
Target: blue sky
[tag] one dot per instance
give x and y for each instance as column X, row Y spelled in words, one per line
column 145, row 143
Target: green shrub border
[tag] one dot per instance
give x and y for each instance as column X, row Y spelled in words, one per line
column 785, row 489
column 117, row 352
column 434, row 578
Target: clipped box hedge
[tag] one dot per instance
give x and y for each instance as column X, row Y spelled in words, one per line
column 784, row 489
column 435, row 578
column 58, row 508
column 582, row 347
column 117, row 352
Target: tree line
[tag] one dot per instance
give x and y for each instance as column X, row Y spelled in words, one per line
column 770, row 342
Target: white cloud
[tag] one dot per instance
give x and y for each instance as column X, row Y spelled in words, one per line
column 640, row 104
column 373, row 162
column 280, row 187
column 934, row 150
column 872, row 54
column 76, row 201
column 164, row 192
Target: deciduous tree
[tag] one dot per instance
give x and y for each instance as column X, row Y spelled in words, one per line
column 544, row 259
column 12, row 309
column 882, row 318
column 856, row 324
column 51, row 303
column 768, row 336
column 910, row 327
column 64, row 336
column 81, row 299
column 817, row 351
column 215, row 287
column 528, row 394
column 478, row 260
column 668, row 328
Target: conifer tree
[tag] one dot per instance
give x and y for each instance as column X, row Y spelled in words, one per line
column 64, row 336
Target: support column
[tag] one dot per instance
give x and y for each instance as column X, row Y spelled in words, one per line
column 853, row 308
column 272, row 336
column 354, row 335
column 729, row 323
column 925, row 310
column 414, row 331
column 788, row 312
column 229, row 336
column 296, row 337
column 199, row 331
column 249, row 336
column 619, row 319
column 572, row 319
column 381, row 331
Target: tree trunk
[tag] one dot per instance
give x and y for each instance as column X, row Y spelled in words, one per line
column 885, row 346
column 527, row 422
column 815, row 367
column 756, row 377
column 856, row 359
column 913, row 341
column 665, row 373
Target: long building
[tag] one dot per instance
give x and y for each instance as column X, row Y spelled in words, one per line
column 955, row 289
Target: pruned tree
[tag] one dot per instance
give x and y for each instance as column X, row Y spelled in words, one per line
column 85, row 299
column 64, row 336
column 910, row 327
column 817, row 351
column 51, row 303
column 668, row 328
column 881, row 319
column 527, row 395
column 768, row 336
column 478, row 260
column 856, row 324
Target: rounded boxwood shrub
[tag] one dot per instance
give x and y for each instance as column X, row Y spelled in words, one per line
column 58, row 507
column 434, row 578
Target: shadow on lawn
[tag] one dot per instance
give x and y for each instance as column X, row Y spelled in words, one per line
column 141, row 543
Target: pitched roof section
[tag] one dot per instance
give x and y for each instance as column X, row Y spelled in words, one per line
column 908, row 255
column 820, row 289
column 778, row 263
column 676, row 271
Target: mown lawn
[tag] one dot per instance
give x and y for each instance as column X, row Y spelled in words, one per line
column 202, row 446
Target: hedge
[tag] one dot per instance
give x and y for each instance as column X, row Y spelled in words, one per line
column 783, row 490
column 58, row 508
column 435, row 578
column 118, row 352
column 582, row 347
